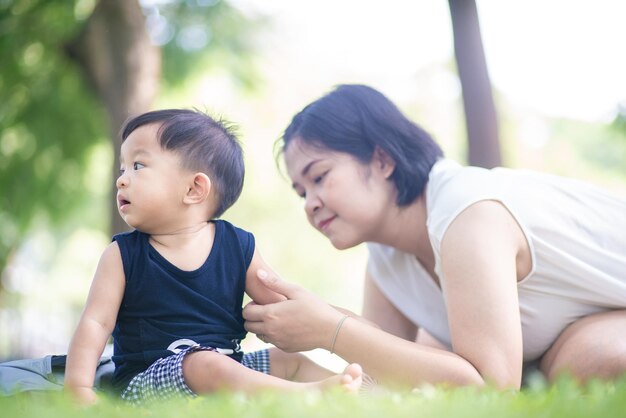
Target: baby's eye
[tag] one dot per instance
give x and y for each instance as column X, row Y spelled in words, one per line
column 121, row 171
column 137, row 165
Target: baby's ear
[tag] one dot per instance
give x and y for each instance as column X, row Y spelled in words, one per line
column 199, row 189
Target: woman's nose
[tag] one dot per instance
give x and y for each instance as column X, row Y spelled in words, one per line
column 312, row 204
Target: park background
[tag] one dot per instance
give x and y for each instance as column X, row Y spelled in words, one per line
column 557, row 73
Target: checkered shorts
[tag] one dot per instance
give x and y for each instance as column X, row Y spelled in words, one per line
column 164, row 378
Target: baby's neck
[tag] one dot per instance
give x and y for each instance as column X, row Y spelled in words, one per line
column 182, row 235
column 187, row 248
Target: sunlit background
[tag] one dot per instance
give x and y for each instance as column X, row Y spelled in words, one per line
column 558, row 71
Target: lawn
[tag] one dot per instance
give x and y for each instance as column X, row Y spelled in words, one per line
column 564, row 399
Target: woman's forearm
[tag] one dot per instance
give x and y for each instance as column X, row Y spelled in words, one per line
column 391, row 359
column 355, row 316
column 304, row 322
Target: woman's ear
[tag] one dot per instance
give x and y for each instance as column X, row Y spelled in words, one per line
column 199, row 189
column 384, row 162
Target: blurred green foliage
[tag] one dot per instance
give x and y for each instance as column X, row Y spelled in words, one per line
column 198, row 35
column 48, row 121
column 589, row 151
column 52, row 125
column 619, row 123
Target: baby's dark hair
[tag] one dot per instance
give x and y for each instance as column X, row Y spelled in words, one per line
column 356, row 119
column 204, row 145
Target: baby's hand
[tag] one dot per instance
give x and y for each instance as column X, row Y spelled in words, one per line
column 82, row 395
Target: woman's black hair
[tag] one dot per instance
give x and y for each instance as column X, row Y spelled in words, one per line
column 356, row 119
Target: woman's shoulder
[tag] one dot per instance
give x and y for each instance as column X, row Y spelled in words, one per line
column 448, row 178
column 452, row 188
column 449, row 183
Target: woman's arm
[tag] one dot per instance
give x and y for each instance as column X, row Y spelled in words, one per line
column 304, row 322
column 479, row 255
column 479, row 263
column 96, row 325
column 378, row 309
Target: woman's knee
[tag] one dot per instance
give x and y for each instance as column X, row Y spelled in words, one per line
column 592, row 347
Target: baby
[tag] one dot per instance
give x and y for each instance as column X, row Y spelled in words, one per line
column 171, row 291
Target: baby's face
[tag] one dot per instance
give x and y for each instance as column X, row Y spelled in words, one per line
column 151, row 185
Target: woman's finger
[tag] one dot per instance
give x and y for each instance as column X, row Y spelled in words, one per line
column 276, row 284
column 254, row 327
column 254, row 312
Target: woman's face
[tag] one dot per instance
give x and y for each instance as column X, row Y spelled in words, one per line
column 344, row 199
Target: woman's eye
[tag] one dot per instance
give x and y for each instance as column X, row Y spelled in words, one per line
column 137, row 166
column 318, row 179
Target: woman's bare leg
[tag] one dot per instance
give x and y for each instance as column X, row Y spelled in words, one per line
column 592, row 347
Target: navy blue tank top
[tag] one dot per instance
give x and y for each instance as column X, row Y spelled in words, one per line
column 165, row 308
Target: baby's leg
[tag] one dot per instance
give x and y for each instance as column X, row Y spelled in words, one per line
column 296, row 367
column 299, row 368
column 207, row 372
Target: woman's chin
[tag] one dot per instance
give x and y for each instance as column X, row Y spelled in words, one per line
column 342, row 244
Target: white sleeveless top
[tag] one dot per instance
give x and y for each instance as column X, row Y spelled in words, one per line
column 577, row 238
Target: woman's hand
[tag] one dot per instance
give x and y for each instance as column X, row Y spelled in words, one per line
column 301, row 323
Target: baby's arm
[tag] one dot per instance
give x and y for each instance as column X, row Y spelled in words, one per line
column 96, row 325
column 258, row 292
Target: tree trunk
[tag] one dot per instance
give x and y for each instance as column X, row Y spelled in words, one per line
column 121, row 65
column 480, row 111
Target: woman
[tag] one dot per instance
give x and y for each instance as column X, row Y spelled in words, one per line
column 504, row 268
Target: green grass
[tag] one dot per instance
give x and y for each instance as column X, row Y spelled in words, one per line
column 564, row 399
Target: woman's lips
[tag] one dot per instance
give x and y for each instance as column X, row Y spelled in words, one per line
column 324, row 224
